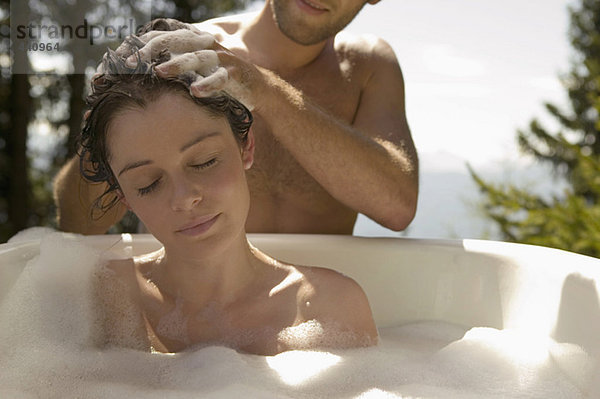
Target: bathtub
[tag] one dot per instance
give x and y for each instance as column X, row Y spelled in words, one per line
column 470, row 283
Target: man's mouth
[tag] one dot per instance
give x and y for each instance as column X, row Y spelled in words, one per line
column 313, row 5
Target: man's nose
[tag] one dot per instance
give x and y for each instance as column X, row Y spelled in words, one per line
column 186, row 195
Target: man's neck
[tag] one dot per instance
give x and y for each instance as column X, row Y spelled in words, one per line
column 270, row 48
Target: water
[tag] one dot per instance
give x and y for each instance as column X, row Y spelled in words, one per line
column 47, row 350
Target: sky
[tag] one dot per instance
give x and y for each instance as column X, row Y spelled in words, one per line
column 475, row 71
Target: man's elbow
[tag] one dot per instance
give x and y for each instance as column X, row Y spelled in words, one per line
column 399, row 215
column 399, row 220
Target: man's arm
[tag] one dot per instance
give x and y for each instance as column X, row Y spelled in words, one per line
column 74, row 197
column 371, row 165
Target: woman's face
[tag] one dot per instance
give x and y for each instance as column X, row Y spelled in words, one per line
column 182, row 172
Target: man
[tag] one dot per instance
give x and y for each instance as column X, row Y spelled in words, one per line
column 330, row 127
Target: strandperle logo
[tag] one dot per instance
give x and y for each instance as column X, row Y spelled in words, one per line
column 91, row 32
column 70, row 36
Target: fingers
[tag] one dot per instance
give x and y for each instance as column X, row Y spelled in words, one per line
column 203, row 62
column 146, row 37
column 220, row 81
column 178, row 41
column 206, row 86
column 132, row 42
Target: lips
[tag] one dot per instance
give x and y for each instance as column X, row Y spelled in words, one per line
column 312, row 6
column 198, row 225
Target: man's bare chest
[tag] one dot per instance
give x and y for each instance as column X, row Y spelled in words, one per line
column 275, row 169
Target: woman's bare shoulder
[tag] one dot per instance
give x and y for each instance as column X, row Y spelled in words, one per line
column 117, row 294
column 117, row 277
column 337, row 300
column 126, row 270
column 118, row 268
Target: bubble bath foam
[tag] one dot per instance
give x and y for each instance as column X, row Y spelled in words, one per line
column 48, row 347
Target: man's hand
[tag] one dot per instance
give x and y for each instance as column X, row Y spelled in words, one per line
column 191, row 50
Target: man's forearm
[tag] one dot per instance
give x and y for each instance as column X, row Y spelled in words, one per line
column 370, row 175
column 74, row 198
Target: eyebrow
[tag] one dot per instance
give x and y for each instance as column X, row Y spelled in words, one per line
column 197, row 140
column 184, row 147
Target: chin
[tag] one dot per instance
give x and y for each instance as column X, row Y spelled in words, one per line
column 212, row 243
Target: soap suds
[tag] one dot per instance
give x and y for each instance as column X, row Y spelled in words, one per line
column 49, row 349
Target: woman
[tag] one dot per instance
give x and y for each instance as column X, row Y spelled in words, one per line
column 178, row 163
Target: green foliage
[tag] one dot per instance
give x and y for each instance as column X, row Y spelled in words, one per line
column 570, row 221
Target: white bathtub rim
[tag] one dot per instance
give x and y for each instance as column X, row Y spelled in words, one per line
column 469, row 244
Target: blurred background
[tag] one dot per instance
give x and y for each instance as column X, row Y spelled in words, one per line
column 502, row 100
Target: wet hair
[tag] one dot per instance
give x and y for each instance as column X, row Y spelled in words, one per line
column 119, row 87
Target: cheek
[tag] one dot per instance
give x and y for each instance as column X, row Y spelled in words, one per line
column 228, row 183
column 144, row 207
column 228, row 190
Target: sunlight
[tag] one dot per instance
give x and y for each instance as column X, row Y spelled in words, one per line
column 443, row 60
column 521, row 346
column 296, row 367
column 58, row 63
column 42, row 128
column 376, row 393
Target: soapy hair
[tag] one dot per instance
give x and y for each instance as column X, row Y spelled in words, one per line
column 119, row 87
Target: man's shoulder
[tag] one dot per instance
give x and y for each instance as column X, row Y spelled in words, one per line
column 368, row 47
column 225, row 26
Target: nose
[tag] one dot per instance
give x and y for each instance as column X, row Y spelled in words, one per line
column 186, row 195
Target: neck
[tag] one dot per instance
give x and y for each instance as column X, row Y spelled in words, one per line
column 271, row 49
column 218, row 279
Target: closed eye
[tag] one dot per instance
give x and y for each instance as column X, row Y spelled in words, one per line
column 205, row 165
column 148, row 189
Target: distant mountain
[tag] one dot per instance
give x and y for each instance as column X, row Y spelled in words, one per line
column 448, row 198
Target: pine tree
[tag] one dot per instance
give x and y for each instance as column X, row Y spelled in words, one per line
column 570, row 221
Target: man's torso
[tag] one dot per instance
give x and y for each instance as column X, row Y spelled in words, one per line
column 284, row 197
